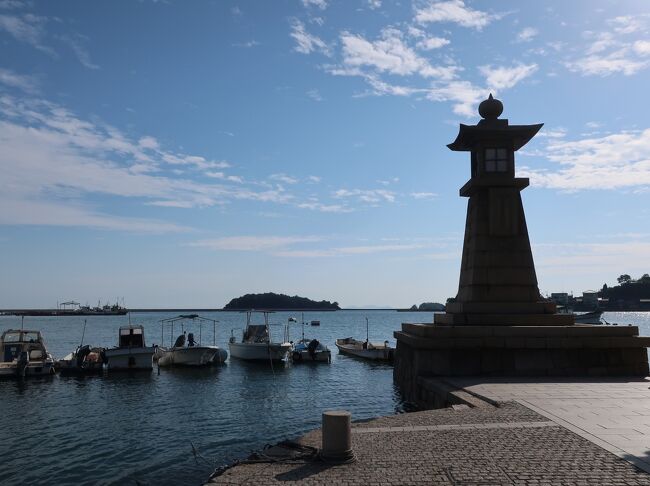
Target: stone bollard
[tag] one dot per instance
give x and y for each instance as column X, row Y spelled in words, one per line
column 337, row 437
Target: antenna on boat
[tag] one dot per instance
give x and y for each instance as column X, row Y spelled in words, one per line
column 302, row 318
column 83, row 334
column 129, row 318
column 22, row 321
column 367, row 331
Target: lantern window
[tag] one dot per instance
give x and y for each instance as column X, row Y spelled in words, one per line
column 496, row 160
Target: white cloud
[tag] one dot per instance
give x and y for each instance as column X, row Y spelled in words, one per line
column 454, row 11
column 76, row 43
column 366, row 195
column 27, row 28
column 374, row 4
column 389, row 54
column 616, row 62
column 627, row 24
column 315, row 95
column 527, row 34
column 284, row 178
column 307, row 43
column 642, row 47
column 614, row 161
column 253, row 243
column 464, row 94
column 498, row 78
column 432, row 43
column 247, row 44
column 324, row 208
column 424, row 195
column 322, row 4
column 314, row 179
column 21, row 81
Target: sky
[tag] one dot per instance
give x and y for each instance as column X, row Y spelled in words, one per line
column 181, row 154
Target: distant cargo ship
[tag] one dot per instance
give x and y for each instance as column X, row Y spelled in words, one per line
column 73, row 309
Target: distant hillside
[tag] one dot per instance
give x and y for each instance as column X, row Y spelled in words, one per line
column 428, row 307
column 271, row 300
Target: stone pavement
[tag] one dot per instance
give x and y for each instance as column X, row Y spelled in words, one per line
column 505, row 445
column 613, row 413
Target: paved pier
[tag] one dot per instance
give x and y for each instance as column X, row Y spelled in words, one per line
column 612, row 413
column 510, row 444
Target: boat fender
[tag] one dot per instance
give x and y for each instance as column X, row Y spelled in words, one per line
column 297, row 356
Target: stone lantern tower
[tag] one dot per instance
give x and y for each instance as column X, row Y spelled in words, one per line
column 498, row 285
column 498, row 324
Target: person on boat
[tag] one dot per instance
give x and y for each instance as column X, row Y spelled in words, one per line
column 180, row 340
column 190, row 339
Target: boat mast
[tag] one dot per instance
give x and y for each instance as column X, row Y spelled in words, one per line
column 367, row 332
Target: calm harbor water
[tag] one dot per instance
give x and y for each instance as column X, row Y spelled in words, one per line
column 120, row 428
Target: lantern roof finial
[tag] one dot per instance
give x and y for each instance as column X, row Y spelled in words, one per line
column 490, row 109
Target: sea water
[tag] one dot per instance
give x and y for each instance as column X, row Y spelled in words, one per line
column 176, row 426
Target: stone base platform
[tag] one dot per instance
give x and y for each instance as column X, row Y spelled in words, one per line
column 425, row 350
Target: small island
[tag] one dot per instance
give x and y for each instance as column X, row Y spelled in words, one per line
column 425, row 307
column 273, row 301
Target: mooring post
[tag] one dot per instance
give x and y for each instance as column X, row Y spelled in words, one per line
column 337, row 436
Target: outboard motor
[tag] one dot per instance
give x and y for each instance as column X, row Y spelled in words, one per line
column 82, row 352
column 180, row 341
column 311, row 348
column 23, row 361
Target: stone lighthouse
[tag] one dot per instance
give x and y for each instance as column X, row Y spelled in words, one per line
column 498, row 285
column 498, row 324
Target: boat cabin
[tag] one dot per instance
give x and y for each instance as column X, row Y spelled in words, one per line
column 131, row 337
column 256, row 333
column 14, row 342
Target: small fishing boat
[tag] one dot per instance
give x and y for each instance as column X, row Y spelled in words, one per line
column 131, row 352
column 589, row 317
column 309, row 350
column 82, row 361
column 24, row 354
column 365, row 349
column 256, row 343
column 192, row 352
column 315, row 323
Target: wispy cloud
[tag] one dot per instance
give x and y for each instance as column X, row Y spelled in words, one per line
column 610, row 162
column 77, row 44
column 453, row 11
column 366, row 195
column 284, row 178
column 321, row 4
column 614, row 51
column 28, row 28
column 28, row 84
column 253, row 243
column 427, row 196
column 315, row 95
column 503, row 77
column 527, row 34
column 307, row 43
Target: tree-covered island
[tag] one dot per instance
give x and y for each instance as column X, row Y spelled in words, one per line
column 273, row 301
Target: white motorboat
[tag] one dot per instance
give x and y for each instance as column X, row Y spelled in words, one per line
column 257, row 344
column 192, row 352
column 24, row 354
column 131, row 352
column 366, row 349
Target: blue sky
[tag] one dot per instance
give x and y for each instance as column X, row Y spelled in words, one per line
column 184, row 153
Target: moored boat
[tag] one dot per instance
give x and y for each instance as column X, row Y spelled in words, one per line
column 365, row 349
column 186, row 351
column 310, row 350
column 24, row 354
column 131, row 352
column 256, row 343
column 82, row 361
column 589, row 317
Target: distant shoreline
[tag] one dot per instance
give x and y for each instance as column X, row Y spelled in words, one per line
column 52, row 312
